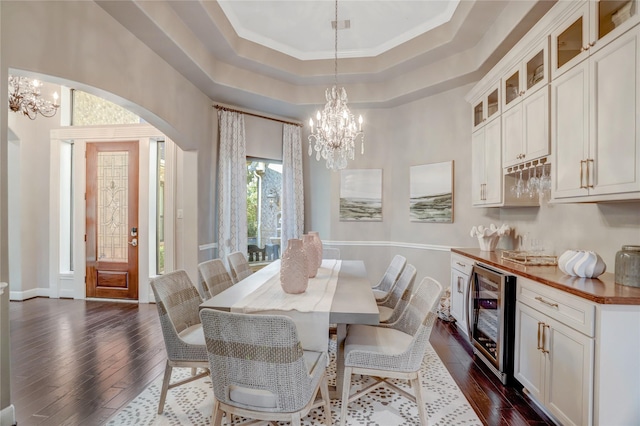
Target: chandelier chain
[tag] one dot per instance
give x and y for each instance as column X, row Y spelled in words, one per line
column 335, row 50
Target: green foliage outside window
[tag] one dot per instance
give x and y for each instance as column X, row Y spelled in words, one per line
column 252, row 202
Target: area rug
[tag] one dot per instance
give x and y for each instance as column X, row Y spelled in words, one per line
column 191, row 404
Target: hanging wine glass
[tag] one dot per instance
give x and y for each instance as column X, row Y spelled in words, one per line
column 534, row 182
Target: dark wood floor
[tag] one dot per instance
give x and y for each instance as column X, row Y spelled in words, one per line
column 77, row 362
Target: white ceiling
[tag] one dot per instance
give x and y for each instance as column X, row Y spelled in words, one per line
column 276, row 56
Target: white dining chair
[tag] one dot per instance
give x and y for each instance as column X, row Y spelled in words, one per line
column 390, row 277
column 389, row 304
column 393, row 351
column 214, row 278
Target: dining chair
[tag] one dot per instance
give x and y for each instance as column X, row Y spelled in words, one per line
column 390, row 277
column 214, row 278
column 178, row 303
column 393, row 351
column 261, row 370
column 388, row 315
column 387, row 306
column 330, row 253
column 239, row 266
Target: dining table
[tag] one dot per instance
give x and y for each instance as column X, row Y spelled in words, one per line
column 350, row 301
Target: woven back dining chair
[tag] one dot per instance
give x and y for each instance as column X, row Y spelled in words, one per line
column 261, row 370
column 214, row 278
column 389, row 315
column 393, row 351
column 239, row 266
column 388, row 303
column 390, row 277
column 178, row 303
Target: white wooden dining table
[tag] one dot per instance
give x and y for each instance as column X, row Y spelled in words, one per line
column 353, row 302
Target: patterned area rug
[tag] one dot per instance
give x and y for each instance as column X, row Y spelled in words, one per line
column 191, row 404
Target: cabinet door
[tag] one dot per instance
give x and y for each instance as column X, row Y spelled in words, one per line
column 614, row 144
column 459, row 284
column 569, row 372
column 477, row 166
column 493, row 163
column 529, row 362
column 609, row 20
column 512, row 131
column 570, row 132
column 535, row 122
column 569, row 42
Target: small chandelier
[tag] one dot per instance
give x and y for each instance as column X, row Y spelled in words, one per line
column 335, row 133
column 24, row 97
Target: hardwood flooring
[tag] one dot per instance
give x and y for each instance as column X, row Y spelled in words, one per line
column 77, row 362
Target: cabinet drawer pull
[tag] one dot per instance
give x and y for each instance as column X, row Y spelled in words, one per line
column 546, row 302
column 461, row 264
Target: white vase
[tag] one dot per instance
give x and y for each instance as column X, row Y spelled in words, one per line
column 581, row 263
column 294, row 278
column 310, row 250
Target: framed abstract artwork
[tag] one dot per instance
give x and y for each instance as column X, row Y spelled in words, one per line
column 431, row 193
column 361, row 195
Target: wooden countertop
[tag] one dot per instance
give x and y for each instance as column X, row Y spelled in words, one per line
column 601, row 290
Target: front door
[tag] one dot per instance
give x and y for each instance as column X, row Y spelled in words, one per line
column 112, row 220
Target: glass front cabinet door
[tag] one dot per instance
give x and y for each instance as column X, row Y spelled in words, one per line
column 589, row 28
column 486, row 108
column 526, row 77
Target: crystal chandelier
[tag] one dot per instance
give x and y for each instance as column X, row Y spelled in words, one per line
column 336, row 131
column 24, row 97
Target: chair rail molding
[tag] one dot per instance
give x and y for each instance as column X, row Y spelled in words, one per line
column 399, row 244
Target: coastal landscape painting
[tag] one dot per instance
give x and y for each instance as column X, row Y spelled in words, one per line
column 361, row 195
column 431, row 193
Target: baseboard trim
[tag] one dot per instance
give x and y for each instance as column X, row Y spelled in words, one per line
column 29, row 294
column 8, row 415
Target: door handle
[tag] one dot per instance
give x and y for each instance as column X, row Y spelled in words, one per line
column 459, row 284
column 540, row 324
column 544, row 338
column 590, row 178
column 134, row 242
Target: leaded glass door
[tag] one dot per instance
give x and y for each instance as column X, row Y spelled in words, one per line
column 112, row 217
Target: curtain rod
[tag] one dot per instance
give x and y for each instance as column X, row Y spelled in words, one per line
column 224, row 108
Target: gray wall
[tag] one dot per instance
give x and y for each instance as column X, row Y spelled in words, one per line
column 438, row 129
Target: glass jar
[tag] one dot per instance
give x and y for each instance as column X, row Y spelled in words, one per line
column 628, row 266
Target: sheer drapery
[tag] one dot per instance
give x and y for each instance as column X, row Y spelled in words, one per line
column 292, row 188
column 232, row 185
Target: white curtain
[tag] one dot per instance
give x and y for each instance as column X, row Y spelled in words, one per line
column 292, row 186
column 232, row 185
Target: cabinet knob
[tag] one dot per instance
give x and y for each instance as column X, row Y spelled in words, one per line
column 591, row 44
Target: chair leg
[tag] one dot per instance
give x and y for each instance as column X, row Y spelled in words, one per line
column 295, row 419
column 324, row 391
column 216, row 415
column 346, row 385
column 417, row 390
column 165, row 387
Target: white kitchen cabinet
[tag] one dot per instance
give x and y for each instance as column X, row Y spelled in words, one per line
column 588, row 28
column 486, row 165
column 596, row 125
column 555, row 364
column 527, row 76
column 486, row 108
column 460, row 274
column 525, row 129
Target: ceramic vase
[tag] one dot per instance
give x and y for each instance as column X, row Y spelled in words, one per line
column 318, row 245
column 293, row 268
column 310, row 250
column 581, row 263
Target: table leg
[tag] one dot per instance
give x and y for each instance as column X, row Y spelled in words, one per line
column 340, row 337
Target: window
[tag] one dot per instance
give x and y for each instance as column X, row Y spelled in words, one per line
column 264, row 186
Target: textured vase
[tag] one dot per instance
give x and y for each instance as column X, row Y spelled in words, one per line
column 293, row 268
column 581, row 263
column 318, row 245
column 310, row 250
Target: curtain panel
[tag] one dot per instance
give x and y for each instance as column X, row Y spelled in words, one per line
column 292, row 185
column 232, row 185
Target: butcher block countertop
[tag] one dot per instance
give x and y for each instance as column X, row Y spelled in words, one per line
column 601, row 290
